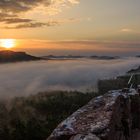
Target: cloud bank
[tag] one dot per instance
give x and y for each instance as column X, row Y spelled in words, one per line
column 22, row 79
column 11, row 11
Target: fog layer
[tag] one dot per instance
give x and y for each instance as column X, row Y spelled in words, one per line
column 21, row 79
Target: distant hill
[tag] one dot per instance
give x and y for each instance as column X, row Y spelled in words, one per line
column 11, row 56
column 65, row 57
column 104, row 57
column 137, row 70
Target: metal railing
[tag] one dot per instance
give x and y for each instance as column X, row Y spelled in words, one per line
column 130, row 85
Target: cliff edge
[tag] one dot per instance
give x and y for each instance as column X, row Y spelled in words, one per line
column 113, row 116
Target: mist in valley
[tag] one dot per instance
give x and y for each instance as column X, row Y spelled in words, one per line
column 25, row 78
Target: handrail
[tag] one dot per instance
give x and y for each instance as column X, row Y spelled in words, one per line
column 130, row 79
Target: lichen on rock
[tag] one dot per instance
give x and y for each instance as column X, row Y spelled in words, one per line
column 107, row 117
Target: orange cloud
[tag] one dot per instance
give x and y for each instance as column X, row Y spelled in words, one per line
column 14, row 11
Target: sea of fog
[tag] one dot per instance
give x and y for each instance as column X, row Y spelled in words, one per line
column 25, row 78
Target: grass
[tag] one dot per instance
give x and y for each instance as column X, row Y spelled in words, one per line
column 36, row 116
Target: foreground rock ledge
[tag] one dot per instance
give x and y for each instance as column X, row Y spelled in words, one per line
column 114, row 116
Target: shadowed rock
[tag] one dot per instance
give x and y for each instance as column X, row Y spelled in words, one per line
column 113, row 116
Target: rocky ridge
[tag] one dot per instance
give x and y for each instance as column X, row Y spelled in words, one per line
column 113, row 116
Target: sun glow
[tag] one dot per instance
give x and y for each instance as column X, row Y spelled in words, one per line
column 7, row 43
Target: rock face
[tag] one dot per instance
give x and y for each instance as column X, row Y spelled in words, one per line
column 113, row 116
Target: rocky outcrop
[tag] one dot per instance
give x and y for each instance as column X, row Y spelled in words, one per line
column 113, row 116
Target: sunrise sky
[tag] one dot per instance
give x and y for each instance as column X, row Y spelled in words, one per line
column 69, row 26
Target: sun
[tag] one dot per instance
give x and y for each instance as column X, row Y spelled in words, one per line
column 7, row 43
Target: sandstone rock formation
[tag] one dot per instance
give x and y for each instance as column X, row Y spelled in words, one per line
column 113, row 116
